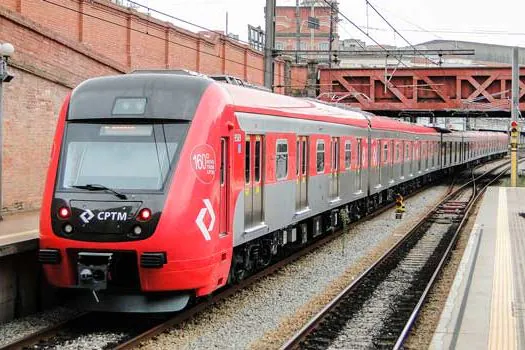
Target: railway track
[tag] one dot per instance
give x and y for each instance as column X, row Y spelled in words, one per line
column 131, row 335
column 380, row 307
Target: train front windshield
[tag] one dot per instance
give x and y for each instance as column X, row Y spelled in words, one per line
column 126, row 157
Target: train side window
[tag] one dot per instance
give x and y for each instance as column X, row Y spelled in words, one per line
column 348, row 154
column 335, row 153
column 247, row 162
column 297, row 157
column 378, row 153
column 223, row 157
column 257, row 165
column 359, row 154
column 320, row 156
column 398, row 153
column 385, row 152
column 304, row 158
column 407, row 150
column 281, row 160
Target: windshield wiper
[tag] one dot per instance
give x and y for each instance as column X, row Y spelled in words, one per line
column 97, row 187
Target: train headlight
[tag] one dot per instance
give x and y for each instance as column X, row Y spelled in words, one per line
column 144, row 214
column 64, row 212
column 137, row 230
column 68, row 228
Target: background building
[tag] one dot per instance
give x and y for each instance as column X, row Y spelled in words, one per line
column 314, row 28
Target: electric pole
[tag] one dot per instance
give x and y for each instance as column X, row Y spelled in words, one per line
column 6, row 51
column 515, row 129
column 269, row 44
column 330, row 36
column 297, row 31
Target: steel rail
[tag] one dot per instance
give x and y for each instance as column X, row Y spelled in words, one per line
column 315, row 321
column 51, row 331
column 413, row 317
column 135, row 342
column 46, row 333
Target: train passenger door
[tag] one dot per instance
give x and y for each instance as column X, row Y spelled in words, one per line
column 443, row 153
column 301, row 195
column 253, row 188
column 404, row 155
column 225, row 187
column 378, row 161
column 412, row 156
column 420, row 156
column 359, row 167
column 334, row 169
column 392, row 155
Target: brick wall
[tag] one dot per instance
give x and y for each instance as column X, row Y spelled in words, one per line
column 60, row 43
column 134, row 40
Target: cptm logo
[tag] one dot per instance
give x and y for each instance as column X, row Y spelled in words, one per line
column 205, row 230
column 87, row 215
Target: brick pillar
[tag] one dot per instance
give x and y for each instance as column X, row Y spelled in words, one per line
column 287, row 75
column 311, row 83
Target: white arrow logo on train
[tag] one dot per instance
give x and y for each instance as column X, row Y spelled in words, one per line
column 87, row 215
column 200, row 219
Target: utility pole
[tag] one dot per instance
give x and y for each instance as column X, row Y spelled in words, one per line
column 297, row 31
column 269, row 44
column 6, row 50
column 330, row 36
column 226, row 23
column 515, row 129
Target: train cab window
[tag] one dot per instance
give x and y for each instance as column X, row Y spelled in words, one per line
column 348, row 154
column 122, row 156
column 320, row 156
column 257, row 165
column 247, row 163
column 281, row 160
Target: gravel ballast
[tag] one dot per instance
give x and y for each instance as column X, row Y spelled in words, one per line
column 19, row 328
column 258, row 310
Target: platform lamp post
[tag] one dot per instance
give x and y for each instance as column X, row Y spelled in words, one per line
column 6, row 50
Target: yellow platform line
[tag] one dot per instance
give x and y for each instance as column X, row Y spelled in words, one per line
column 502, row 332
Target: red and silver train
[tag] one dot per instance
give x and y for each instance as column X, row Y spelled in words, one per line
column 166, row 186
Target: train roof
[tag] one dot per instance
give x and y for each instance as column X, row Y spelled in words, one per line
column 95, row 98
column 255, row 101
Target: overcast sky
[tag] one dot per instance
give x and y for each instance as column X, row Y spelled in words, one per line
column 496, row 22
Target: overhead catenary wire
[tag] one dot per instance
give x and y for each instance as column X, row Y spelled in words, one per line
column 362, row 31
column 400, row 35
column 420, row 28
column 182, row 20
column 159, row 37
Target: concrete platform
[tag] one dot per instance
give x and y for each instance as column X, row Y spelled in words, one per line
column 21, row 284
column 18, row 233
column 486, row 305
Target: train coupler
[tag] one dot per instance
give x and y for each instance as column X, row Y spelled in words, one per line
column 93, row 271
